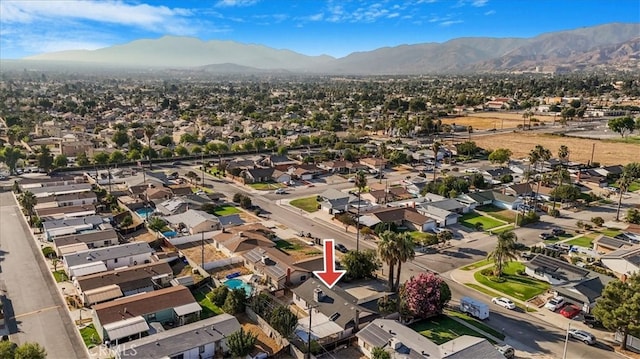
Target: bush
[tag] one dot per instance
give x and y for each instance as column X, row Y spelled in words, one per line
column 520, row 272
column 498, row 279
column 580, row 224
column 237, row 197
column 487, row 272
column 598, row 221
column 587, row 226
column 554, row 213
column 219, row 295
column 49, row 252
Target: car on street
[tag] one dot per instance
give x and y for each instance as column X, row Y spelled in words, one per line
column 506, row 350
column 570, row 311
column 554, row 303
column 503, row 302
column 591, row 321
column 582, row 336
column 280, row 191
column 558, row 231
column 341, row 248
column 546, row 235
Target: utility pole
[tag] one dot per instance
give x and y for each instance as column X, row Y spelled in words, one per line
column 202, row 170
column 566, row 341
column 202, row 251
column 311, row 307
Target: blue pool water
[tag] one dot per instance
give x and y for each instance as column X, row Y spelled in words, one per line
column 144, row 212
column 238, row 283
column 170, row 234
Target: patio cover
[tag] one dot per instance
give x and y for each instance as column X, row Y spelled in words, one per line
column 125, row 328
column 185, row 309
column 103, row 294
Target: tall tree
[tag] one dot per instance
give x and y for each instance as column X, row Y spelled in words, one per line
column 622, row 125
column 30, row 351
column 504, row 252
column 149, row 131
column 618, row 308
column 44, row 158
column 500, row 156
column 563, row 154
column 630, row 173
column 360, row 265
column 10, row 156
column 388, row 253
column 28, row 201
column 537, row 156
column 283, row 320
column 60, row 161
column 380, row 353
column 406, row 252
column 425, row 295
column 241, row 343
column 435, row 147
column 361, row 184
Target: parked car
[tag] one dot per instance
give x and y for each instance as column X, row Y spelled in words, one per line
column 546, row 235
column 503, row 302
column 591, row 321
column 341, row 248
column 351, row 179
column 582, row 336
column 280, row 191
column 554, row 303
column 570, row 311
column 558, row 231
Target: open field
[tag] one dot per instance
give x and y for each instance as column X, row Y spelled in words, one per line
column 607, row 153
column 497, row 120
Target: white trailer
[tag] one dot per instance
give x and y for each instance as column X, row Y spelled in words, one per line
column 474, row 307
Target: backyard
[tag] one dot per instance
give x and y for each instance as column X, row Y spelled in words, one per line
column 610, row 232
column 308, row 204
column 472, row 218
column 60, row 276
column 208, row 308
column 499, row 213
column 514, row 285
column 297, row 249
column 90, row 336
column 442, row 329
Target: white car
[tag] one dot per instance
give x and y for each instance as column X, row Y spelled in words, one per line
column 472, row 170
column 280, row 191
column 582, row 336
column 554, row 303
column 503, row 302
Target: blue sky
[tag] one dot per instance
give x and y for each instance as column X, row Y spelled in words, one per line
column 311, row 27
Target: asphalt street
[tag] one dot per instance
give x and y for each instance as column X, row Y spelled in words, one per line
column 32, row 302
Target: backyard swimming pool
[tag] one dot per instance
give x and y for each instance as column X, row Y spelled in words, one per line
column 144, row 212
column 239, row 283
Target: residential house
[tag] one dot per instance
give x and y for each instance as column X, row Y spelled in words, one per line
column 342, row 166
column 483, row 198
column 258, row 174
column 449, row 204
column 494, row 175
column 231, row 220
column 205, row 339
column 408, row 217
column 518, row 190
column 624, row 261
column 280, row 162
column 374, row 163
column 158, row 193
column 129, row 316
column 194, row 221
column 305, row 172
column 240, row 239
column 67, row 200
column 59, row 213
column 442, row 217
column 94, row 239
column 591, row 179
column 172, row 206
column 402, row 342
column 46, row 191
column 66, row 226
column 129, row 281
column 577, row 284
column 123, row 255
column 278, row 268
column 334, row 201
column 336, row 313
column 604, row 244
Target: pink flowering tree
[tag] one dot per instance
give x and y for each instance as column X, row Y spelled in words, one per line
column 426, row 295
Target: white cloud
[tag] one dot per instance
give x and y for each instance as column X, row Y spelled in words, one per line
column 490, row 12
column 316, row 17
column 237, row 3
column 479, row 3
column 451, row 22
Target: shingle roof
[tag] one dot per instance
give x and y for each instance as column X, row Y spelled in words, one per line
column 123, row 276
column 107, row 253
column 192, row 218
column 109, row 234
column 557, row 268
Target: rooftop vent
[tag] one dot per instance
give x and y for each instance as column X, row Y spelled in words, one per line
column 318, row 295
column 395, row 344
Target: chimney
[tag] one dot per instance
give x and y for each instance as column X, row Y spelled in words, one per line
column 240, row 234
column 264, row 259
column 317, row 295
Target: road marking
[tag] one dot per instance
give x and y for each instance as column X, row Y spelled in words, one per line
column 36, row 312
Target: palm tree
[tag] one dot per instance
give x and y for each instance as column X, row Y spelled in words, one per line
column 538, row 156
column 361, row 183
column 28, row 202
column 149, row 131
column 623, row 184
column 563, row 154
column 405, row 251
column 504, row 252
column 388, row 253
column 562, row 174
column 436, row 148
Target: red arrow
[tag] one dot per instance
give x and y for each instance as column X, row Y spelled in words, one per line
column 329, row 276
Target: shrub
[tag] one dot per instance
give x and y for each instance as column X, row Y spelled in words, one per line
column 598, row 221
column 520, row 272
column 49, row 252
column 487, row 272
column 580, row 224
column 498, row 279
column 237, row 197
column 219, row 295
column 554, row 213
column 587, row 226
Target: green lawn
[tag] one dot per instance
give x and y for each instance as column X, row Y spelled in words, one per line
column 208, row 308
column 90, row 336
column 610, row 232
column 486, row 291
column 419, row 237
column 441, row 329
column 476, row 265
column 60, row 276
column 583, row 241
column 308, row 204
column 225, row 210
column 266, row 186
column 516, row 286
column 499, row 213
column 470, row 219
column 204, row 189
column 286, row 245
column 506, row 228
column 476, row 323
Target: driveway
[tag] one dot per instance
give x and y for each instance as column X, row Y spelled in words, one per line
column 34, row 306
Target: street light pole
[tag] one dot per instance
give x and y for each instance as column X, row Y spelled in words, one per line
column 202, row 252
column 566, row 341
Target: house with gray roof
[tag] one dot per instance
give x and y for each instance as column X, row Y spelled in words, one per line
column 336, row 313
column 203, row 339
column 124, row 255
column 279, row 269
column 403, row 342
column 605, row 244
column 195, row 221
column 483, row 198
column 61, row 227
column 93, row 239
column 623, row 262
column 577, row 284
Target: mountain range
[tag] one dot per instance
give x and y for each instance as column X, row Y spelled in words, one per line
column 615, row 45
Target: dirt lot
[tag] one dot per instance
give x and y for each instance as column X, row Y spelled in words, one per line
column 607, row 153
column 264, row 342
column 488, row 120
column 193, row 250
